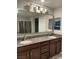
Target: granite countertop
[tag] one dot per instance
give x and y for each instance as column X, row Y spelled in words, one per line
column 37, row 40
column 21, row 36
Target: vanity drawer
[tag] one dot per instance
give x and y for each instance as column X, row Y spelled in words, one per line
column 53, row 41
column 23, row 55
column 24, row 48
column 44, row 48
column 45, row 56
column 37, row 45
column 44, row 43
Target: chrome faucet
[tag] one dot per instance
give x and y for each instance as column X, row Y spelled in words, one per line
column 24, row 37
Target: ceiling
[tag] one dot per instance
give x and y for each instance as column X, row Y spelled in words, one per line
column 48, row 3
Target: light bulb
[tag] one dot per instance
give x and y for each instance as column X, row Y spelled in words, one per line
column 44, row 11
column 41, row 9
column 42, row 0
column 38, row 11
column 31, row 8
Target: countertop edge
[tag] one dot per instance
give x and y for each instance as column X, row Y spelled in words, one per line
column 38, row 42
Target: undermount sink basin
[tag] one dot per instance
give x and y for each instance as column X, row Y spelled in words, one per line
column 25, row 42
column 52, row 37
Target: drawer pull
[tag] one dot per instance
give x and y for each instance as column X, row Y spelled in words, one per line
column 45, row 50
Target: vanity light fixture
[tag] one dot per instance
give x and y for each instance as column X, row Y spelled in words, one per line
column 41, row 9
column 44, row 11
column 33, row 7
column 37, row 9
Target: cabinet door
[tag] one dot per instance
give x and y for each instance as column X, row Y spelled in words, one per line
column 23, row 55
column 35, row 53
column 58, row 46
column 52, row 49
column 45, row 55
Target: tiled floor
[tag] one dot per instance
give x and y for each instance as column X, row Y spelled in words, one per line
column 59, row 56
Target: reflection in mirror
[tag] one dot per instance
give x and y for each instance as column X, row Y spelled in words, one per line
column 57, row 23
column 30, row 22
column 50, row 24
column 34, row 20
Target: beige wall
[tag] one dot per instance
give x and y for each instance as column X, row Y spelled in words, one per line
column 33, row 24
column 43, row 23
column 58, row 13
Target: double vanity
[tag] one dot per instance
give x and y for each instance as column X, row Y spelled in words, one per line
column 39, row 47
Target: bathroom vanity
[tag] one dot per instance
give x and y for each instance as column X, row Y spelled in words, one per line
column 39, row 47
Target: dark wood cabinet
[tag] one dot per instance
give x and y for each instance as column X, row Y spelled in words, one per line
column 44, row 50
column 59, row 46
column 44, row 47
column 35, row 53
column 23, row 52
column 29, row 52
column 55, row 47
column 41, row 50
column 52, row 49
column 23, row 55
column 45, row 55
